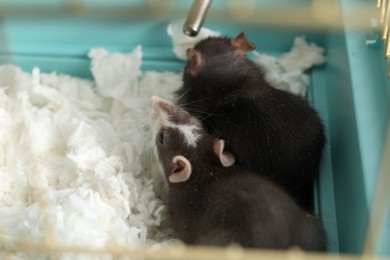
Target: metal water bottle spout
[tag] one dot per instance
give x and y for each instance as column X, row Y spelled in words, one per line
column 196, row 17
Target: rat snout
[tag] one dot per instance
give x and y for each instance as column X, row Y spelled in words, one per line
column 155, row 99
column 161, row 110
column 155, row 104
column 159, row 104
column 168, row 114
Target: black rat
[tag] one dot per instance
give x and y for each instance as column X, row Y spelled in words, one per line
column 213, row 201
column 269, row 130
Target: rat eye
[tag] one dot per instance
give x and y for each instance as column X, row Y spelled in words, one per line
column 161, row 137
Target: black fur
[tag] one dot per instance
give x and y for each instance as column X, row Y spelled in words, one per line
column 218, row 206
column 270, row 131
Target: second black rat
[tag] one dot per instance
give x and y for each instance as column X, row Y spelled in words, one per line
column 269, row 130
column 212, row 201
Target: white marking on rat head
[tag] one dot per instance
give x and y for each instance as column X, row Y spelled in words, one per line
column 190, row 133
column 162, row 114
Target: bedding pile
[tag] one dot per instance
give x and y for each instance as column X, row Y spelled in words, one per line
column 76, row 160
column 73, row 161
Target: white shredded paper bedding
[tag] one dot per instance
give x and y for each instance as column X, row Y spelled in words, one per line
column 76, row 166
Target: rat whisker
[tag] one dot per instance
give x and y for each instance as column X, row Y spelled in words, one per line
column 129, row 120
column 133, row 130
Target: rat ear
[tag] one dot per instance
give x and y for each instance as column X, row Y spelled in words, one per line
column 241, row 43
column 181, row 171
column 226, row 158
column 194, row 60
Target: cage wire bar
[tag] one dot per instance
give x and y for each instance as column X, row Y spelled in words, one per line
column 181, row 252
column 315, row 16
column 315, row 13
column 384, row 7
column 381, row 202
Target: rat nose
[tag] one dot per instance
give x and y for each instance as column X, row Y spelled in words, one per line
column 155, row 100
column 196, row 17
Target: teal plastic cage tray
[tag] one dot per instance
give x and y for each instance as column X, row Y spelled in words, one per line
column 351, row 91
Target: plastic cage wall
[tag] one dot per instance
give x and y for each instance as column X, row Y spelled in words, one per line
column 351, row 91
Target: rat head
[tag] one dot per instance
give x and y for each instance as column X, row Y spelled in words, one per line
column 216, row 52
column 182, row 143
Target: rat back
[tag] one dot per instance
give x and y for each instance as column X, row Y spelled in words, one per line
column 253, row 212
